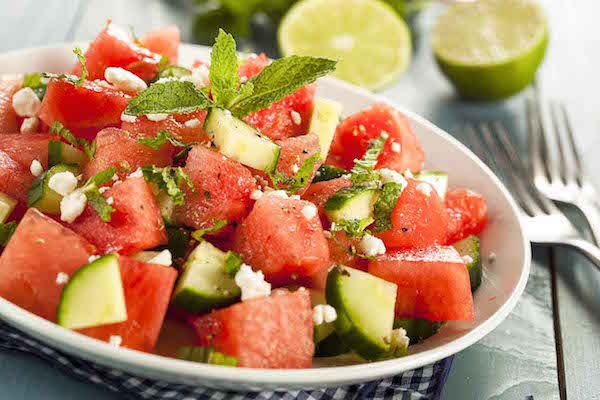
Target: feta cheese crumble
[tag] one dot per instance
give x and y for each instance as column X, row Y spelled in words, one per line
column 295, row 168
column 128, row 118
column 385, row 135
column 309, row 211
column 93, row 258
column 157, row 117
column 399, row 339
column 63, row 183
column 327, row 234
column 36, row 168
column 30, row 125
column 115, row 340
column 103, row 189
column 199, row 77
column 389, row 175
column 424, row 188
column 110, row 201
column 279, row 193
column 62, row 278
column 72, row 206
column 296, row 117
column 26, row 103
column 192, row 123
column 396, row 147
column 408, row 174
column 371, row 246
column 467, row 259
column 252, row 283
column 256, row 194
column 324, row 313
column 137, row 173
column 162, row 258
column 124, row 80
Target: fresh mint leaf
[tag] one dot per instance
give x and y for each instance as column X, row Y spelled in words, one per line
column 279, row 79
column 223, row 73
column 84, row 71
column 60, row 130
column 37, row 83
column 293, row 184
column 218, row 225
column 233, row 262
column 102, row 177
column 354, row 228
column 6, row 232
column 169, row 180
column 363, row 172
column 172, row 97
column 94, row 197
column 327, row 173
column 383, row 207
column 160, row 139
column 174, row 71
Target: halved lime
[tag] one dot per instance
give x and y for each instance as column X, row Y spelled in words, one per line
column 491, row 49
column 369, row 38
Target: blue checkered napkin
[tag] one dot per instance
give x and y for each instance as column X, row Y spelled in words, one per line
column 422, row 383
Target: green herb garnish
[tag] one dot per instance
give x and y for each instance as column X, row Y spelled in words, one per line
column 385, row 204
column 37, row 83
column 173, row 97
column 91, row 190
column 293, row 184
column 160, row 139
column 363, row 172
column 233, row 262
column 60, row 130
column 218, row 225
column 169, row 180
column 6, row 232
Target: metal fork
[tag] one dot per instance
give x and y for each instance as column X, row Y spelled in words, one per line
column 544, row 223
column 559, row 177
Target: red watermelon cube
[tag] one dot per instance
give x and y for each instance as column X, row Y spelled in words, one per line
column 181, row 126
column 14, row 182
column 296, row 150
column 114, row 47
column 38, row 251
column 402, row 150
column 147, row 289
column 85, row 109
column 117, row 148
column 8, row 116
column 266, row 332
column 282, row 238
column 419, row 219
column 467, row 213
column 253, row 65
column 318, row 194
column 24, row 148
column 222, row 187
column 135, row 225
column 164, row 41
column 433, row 283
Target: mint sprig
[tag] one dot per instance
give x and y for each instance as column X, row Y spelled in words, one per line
column 218, row 225
column 91, row 190
column 169, row 180
column 60, row 130
column 6, row 232
column 160, row 139
column 172, row 97
column 37, row 83
column 223, row 72
column 363, row 173
column 84, row 71
column 293, row 184
column 385, row 204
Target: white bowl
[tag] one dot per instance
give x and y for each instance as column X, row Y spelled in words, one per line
column 503, row 283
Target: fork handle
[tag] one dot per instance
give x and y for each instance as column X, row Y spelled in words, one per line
column 588, row 249
column 592, row 214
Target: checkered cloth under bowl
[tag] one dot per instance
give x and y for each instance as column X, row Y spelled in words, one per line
column 423, row 383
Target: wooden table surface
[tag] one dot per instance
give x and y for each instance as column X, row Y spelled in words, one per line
column 549, row 347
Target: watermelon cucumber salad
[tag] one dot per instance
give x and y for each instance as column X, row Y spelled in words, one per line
column 227, row 198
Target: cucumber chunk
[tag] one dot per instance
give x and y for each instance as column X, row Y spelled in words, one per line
column 166, row 206
column 418, row 329
column 351, row 203
column 207, row 355
column 93, row 296
column 41, row 196
column 62, row 153
column 325, row 117
column 470, row 249
column 365, row 307
column 437, row 179
column 7, row 205
column 331, row 346
column 240, row 141
column 327, row 173
column 204, row 284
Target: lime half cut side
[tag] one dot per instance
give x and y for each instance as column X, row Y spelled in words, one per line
column 370, row 40
column 491, row 49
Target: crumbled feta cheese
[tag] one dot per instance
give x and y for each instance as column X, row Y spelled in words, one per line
column 295, row 197
column 252, row 283
column 128, row 118
column 309, row 211
column 295, row 168
column 192, row 123
column 63, row 183
column 396, row 147
column 491, row 257
column 137, row 173
column 256, row 194
column 110, row 201
column 62, row 278
column 296, row 117
column 115, row 177
column 399, row 339
column 347, row 176
column 199, row 77
column 93, row 258
column 424, row 188
column 30, row 125
column 279, row 193
column 327, row 234
column 371, row 246
column 26, row 103
column 389, row 175
column 157, row 117
column 324, row 313
column 162, row 258
column 467, row 259
column 227, row 113
column 72, row 205
column 115, row 340
column 124, row 80
column 104, row 84
column 385, row 135
column 243, row 79
column 103, row 189
column 408, row 174
column 167, row 79
column 362, row 128
column 36, row 168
